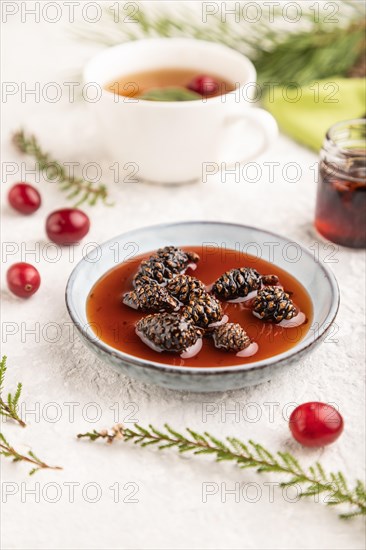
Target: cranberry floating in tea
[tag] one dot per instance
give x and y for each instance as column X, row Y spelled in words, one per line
column 204, row 85
column 341, row 199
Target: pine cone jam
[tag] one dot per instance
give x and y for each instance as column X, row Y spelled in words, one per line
column 150, row 297
column 168, row 332
column 231, row 337
column 184, row 288
column 156, row 308
column 274, row 304
column 341, row 200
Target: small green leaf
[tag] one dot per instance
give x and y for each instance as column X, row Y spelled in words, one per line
column 196, row 436
column 219, row 444
column 167, row 445
column 157, row 432
column 17, row 396
column 177, row 435
column 321, row 471
column 352, row 514
column 2, row 438
column 293, row 481
column 2, row 371
column 142, row 430
column 170, row 94
column 151, row 442
column 204, row 451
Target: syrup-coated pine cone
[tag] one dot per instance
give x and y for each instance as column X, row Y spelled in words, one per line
column 184, row 288
column 230, row 337
column 270, row 280
column 150, row 297
column 168, row 331
column 153, row 269
column 236, row 283
column 273, row 304
column 165, row 264
column 176, row 258
column 203, row 309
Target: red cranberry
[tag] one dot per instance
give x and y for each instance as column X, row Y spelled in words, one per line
column 24, row 198
column 204, row 85
column 67, row 226
column 315, row 424
column 23, row 279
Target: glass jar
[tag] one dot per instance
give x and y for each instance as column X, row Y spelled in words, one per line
column 341, row 200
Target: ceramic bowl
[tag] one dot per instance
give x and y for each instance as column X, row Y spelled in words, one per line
column 313, row 275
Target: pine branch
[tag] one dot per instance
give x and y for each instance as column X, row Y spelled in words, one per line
column 8, row 451
column 306, row 56
column 75, row 187
column 9, row 408
column 312, row 481
column 281, row 56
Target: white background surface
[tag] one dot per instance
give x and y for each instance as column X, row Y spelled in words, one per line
column 170, row 512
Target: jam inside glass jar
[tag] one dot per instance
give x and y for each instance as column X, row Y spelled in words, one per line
column 341, row 199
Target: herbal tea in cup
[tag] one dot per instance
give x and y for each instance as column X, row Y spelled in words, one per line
column 170, row 84
column 171, row 106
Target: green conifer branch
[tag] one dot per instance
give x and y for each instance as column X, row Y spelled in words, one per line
column 300, row 54
column 9, row 406
column 76, row 188
column 311, row 481
column 37, row 464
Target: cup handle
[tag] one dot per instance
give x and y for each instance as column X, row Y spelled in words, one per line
column 264, row 122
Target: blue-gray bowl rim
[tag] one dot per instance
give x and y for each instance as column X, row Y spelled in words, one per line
column 191, row 371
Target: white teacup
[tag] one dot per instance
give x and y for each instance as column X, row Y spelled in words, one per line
column 172, row 142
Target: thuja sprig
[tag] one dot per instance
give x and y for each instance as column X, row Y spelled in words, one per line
column 309, row 481
column 9, row 405
column 77, row 188
column 8, row 451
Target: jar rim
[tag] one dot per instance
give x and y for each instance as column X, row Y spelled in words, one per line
column 344, row 149
column 330, row 136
